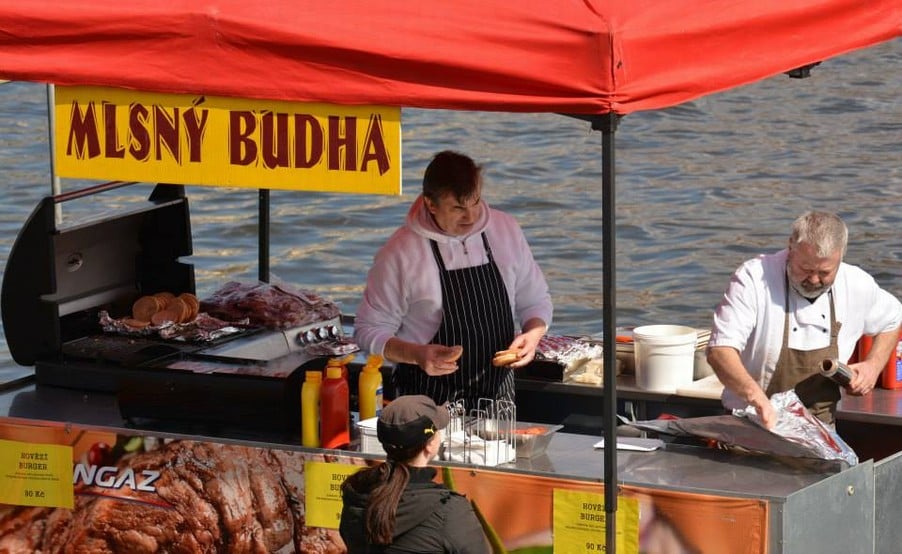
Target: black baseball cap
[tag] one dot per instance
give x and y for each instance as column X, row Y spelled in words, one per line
column 409, row 421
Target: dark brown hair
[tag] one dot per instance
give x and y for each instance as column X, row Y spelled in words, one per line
column 384, row 483
column 451, row 172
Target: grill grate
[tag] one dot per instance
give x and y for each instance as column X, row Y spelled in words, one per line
column 122, row 350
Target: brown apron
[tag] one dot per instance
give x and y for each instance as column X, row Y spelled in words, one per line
column 801, row 369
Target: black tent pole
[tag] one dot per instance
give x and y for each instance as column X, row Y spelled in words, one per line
column 263, row 235
column 607, row 124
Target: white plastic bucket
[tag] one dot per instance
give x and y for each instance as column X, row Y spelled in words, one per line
column 665, row 356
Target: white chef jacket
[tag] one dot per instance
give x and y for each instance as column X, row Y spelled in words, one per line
column 751, row 314
column 403, row 295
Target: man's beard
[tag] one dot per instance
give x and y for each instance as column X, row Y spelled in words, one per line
column 810, row 294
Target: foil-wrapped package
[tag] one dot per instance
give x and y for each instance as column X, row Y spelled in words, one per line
column 797, row 425
column 582, row 360
column 269, row 305
column 797, row 433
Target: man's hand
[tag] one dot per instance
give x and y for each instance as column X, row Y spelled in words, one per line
column 728, row 366
column 527, row 341
column 764, row 409
column 865, row 377
column 434, row 359
column 437, row 360
column 867, row 372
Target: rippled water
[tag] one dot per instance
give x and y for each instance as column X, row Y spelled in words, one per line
column 700, row 188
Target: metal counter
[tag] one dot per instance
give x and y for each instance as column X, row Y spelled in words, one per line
column 882, row 406
column 813, row 505
column 683, row 467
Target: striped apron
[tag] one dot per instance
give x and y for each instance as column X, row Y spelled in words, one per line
column 476, row 313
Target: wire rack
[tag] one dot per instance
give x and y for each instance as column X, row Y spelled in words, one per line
column 484, row 436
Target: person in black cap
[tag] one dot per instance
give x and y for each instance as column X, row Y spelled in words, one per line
column 396, row 506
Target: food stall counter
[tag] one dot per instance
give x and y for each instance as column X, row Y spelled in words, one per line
column 812, row 494
column 568, row 455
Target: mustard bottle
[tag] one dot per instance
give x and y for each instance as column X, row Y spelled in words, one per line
column 369, row 388
column 310, row 392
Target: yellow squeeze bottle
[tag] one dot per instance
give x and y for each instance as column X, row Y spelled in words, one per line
column 310, row 408
column 369, row 388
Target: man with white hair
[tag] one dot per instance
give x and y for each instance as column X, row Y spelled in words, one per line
column 784, row 313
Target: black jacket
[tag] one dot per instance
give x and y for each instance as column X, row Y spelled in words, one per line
column 430, row 518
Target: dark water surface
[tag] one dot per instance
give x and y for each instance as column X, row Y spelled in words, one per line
column 700, row 188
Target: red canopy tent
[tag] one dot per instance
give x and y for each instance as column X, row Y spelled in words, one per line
column 570, row 56
column 599, row 59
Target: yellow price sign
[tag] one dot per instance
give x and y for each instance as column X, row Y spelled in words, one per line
column 36, row 474
column 580, row 520
column 322, row 483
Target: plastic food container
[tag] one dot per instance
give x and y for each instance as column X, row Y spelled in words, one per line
column 665, row 356
column 369, row 442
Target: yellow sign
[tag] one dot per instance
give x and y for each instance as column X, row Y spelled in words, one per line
column 115, row 134
column 579, row 523
column 322, row 482
column 36, row 474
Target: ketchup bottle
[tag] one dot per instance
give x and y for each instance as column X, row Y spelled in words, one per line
column 335, row 416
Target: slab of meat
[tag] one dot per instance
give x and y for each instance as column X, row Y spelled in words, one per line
column 268, row 305
column 208, row 498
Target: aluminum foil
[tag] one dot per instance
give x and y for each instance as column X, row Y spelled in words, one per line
column 797, row 433
column 582, row 360
column 339, row 346
column 797, row 425
column 836, row 370
column 204, row 328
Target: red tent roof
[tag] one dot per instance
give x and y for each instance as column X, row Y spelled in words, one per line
column 571, row 56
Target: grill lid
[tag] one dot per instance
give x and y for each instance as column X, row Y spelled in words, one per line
column 57, row 279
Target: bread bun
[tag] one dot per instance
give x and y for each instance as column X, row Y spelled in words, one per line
column 458, row 352
column 505, row 357
column 193, row 305
column 163, row 316
column 135, row 323
column 144, row 308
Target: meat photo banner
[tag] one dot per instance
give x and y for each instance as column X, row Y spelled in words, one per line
column 137, row 493
column 124, row 135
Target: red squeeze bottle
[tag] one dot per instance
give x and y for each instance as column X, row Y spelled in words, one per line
column 335, row 416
